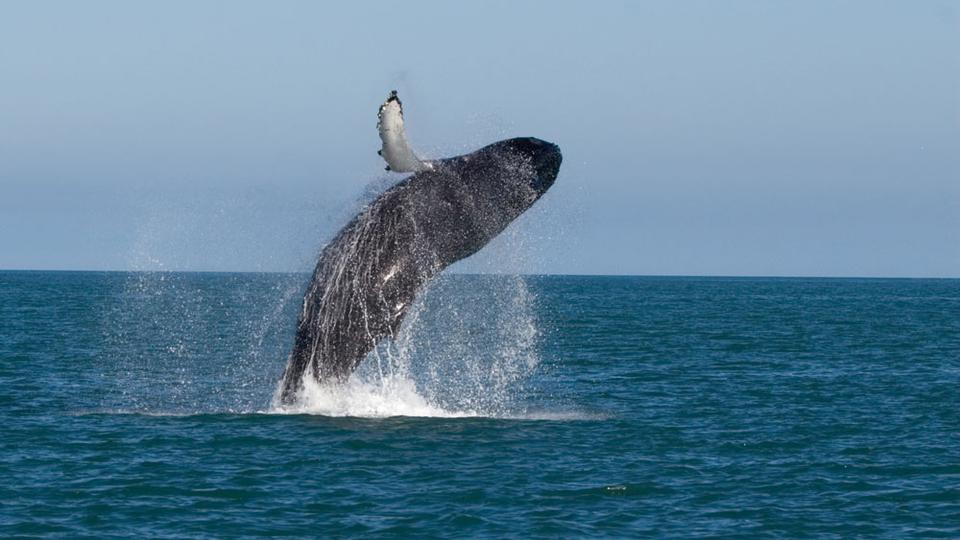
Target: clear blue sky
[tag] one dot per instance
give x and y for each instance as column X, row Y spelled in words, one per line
column 732, row 138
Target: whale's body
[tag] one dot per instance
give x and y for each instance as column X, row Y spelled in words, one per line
column 369, row 274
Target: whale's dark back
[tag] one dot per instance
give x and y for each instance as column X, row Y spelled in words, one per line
column 369, row 274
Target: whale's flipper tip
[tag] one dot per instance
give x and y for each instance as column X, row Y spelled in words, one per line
column 395, row 150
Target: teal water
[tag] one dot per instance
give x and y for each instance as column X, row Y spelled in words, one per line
column 140, row 405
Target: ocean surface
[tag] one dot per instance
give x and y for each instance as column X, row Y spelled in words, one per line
column 141, row 405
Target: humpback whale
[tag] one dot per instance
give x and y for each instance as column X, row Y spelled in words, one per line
column 369, row 274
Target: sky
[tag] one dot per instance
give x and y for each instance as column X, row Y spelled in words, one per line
column 775, row 138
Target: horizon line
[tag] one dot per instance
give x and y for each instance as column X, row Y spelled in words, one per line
column 308, row 272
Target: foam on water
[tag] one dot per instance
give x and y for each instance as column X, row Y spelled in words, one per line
column 393, row 396
column 398, row 396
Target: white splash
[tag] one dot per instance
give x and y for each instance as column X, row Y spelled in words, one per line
column 395, row 395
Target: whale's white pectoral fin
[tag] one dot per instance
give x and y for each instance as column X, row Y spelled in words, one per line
column 395, row 150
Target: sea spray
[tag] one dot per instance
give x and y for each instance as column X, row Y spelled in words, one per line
column 190, row 324
column 465, row 349
column 468, row 348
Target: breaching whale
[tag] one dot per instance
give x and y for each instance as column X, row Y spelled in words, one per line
column 369, row 274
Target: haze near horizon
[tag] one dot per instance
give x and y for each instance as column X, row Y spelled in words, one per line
column 743, row 138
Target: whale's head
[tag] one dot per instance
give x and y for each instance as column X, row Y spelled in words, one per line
column 476, row 195
column 464, row 201
column 523, row 165
column 539, row 160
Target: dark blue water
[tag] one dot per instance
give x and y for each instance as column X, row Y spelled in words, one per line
column 140, row 405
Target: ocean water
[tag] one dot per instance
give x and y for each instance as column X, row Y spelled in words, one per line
column 141, row 405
